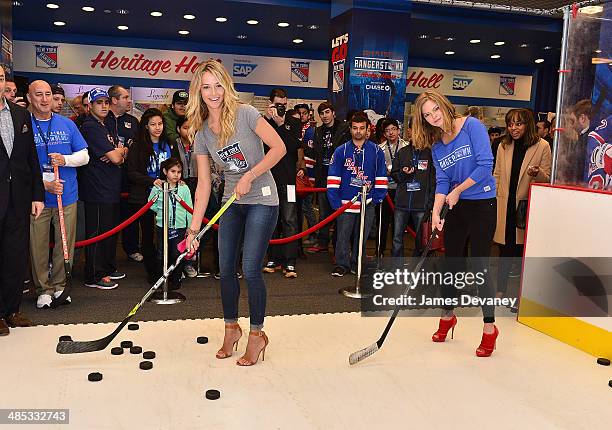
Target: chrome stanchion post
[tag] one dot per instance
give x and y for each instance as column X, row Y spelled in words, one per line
column 354, row 292
column 379, row 238
column 165, row 297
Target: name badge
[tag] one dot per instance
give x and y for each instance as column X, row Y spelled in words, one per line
column 413, row 186
column 173, row 233
column 48, row 174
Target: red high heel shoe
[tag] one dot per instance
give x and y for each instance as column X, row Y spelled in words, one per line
column 244, row 361
column 487, row 344
column 233, row 332
column 443, row 328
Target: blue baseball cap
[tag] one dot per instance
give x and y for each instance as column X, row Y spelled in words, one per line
column 96, row 94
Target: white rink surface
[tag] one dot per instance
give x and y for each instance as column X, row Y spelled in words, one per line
column 531, row 381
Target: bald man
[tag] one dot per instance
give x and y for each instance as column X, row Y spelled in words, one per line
column 21, row 193
column 58, row 143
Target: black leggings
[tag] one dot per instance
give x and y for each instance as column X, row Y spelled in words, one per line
column 473, row 220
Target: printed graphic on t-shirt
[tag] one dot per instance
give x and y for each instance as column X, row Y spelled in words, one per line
column 458, row 154
column 327, row 147
column 358, row 179
column 234, row 157
column 423, row 164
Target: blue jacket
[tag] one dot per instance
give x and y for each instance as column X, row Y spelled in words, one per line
column 349, row 168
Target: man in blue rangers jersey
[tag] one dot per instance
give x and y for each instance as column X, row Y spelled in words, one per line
column 599, row 153
column 358, row 162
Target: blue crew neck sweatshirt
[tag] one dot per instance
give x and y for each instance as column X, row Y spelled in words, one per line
column 466, row 156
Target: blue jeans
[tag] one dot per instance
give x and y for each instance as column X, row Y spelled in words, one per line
column 347, row 225
column 400, row 221
column 251, row 225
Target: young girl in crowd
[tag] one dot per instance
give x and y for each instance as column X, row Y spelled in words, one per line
column 147, row 153
column 462, row 156
column 233, row 134
column 178, row 218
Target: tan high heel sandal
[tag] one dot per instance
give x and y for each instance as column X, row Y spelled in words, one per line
column 243, row 361
column 222, row 353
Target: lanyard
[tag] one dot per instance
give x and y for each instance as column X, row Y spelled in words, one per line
column 395, row 152
column 415, row 157
column 173, row 200
column 188, row 159
column 42, row 135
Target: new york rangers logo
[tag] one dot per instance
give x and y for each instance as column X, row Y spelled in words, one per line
column 507, row 85
column 46, row 56
column 338, row 60
column 300, row 71
column 234, row 157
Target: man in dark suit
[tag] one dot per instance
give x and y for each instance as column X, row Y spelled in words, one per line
column 21, row 193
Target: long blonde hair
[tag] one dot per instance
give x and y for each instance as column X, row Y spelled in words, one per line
column 197, row 111
column 424, row 134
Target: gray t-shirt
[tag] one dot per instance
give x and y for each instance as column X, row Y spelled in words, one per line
column 243, row 151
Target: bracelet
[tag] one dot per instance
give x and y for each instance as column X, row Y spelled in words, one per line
column 190, row 231
column 254, row 176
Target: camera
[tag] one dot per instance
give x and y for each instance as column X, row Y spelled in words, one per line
column 281, row 109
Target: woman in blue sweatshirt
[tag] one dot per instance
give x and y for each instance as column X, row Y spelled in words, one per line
column 463, row 161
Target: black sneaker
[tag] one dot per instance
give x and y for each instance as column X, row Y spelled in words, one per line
column 218, row 275
column 339, row 271
column 116, row 275
column 290, row 272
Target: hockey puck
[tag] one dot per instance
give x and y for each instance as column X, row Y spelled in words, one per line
column 94, row 377
column 610, row 382
column 148, row 355
column 603, row 361
column 136, row 350
column 133, row 326
column 202, row 340
column 126, row 344
column 65, row 339
column 117, row 350
column 213, row 394
column 146, row 365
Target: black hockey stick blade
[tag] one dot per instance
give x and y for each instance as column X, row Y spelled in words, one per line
column 366, row 352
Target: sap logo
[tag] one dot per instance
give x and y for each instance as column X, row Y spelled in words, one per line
column 242, row 70
column 460, row 83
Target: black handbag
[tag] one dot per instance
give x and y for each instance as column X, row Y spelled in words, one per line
column 521, row 214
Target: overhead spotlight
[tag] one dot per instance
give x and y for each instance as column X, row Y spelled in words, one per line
column 283, row 24
column 52, row 6
column 449, row 39
column 123, row 11
column 495, row 56
column 221, row 19
column 597, row 51
column 252, row 22
column 423, row 36
column 591, row 10
column 189, row 16
column 122, row 27
column 524, row 45
column 500, row 43
column 59, row 23
column 539, row 60
column 156, row 13
column 300, row 25
column 184, row 32
column 474, row 41
column 297, row 40
column 547, row 48
column 241, row 36
column 88, row 9
column 313, row 27
column 17, row 3
column 108, row 11
column 450, row 52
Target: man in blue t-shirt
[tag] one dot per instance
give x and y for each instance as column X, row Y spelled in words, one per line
column 58, row 143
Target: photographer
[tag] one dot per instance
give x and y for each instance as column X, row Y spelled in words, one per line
column 290, row 131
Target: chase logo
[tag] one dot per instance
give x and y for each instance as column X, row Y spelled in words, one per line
column 460, row 83
column 242, row 70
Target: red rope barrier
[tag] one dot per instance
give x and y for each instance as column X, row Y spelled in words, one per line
column 117, row 229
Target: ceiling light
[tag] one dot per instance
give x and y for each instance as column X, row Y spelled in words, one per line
column 189, row 16
column 88, row 8
column 108, row 11
column 300, row 25
column 495, row 56
column 591, row 10
column 597, row 51
column 524, row 45
column 449, row 39
column 52, row 6
column 546, row 48
column 184, row 32
column 313, row 27
column 423, row 36
column 283, row 24
column 122, row 27
column 500, row 43
column 539, row 60
column 241, row 36
column 59, row 23
column 474, row 41
column 17, row 3
column 297, row 40
column 450, row 52
column 438, row 38
column 221, row 19
column 252, row 22
column 123, row 11
column 156, row 13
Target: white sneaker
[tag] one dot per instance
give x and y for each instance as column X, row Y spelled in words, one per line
column 137, row 257
column 59, row 293
column 190, row 271
column 44, row 301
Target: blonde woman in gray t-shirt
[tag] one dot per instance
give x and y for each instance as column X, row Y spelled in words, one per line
column 233, row 135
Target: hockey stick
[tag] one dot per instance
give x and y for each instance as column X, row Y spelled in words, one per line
column 74, row 347
column 67, row 269
column 364, row 353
